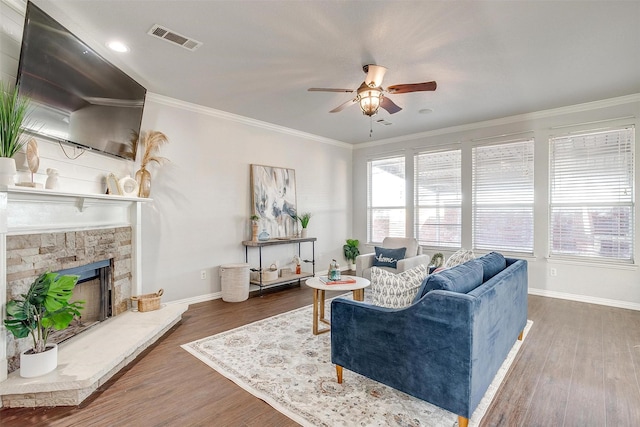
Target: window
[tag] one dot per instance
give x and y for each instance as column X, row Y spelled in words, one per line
column 386, row 201
column 592, row 195
column 438, row 199
column 503, row 197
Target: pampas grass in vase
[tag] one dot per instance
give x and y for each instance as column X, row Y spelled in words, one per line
column 151, row 142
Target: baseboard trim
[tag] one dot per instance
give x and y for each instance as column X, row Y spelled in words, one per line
column 200, row 298
column 584, row 298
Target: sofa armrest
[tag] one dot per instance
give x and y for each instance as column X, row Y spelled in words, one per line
column 363, row 262
column 409, row 263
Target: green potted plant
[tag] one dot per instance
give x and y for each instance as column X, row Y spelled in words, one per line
column 44, row 308
column 14, row 111
column 351, row 251
column 255, row 226
column 304, row 222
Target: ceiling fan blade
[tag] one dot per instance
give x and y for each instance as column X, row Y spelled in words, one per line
column 323, row 89
column 389, row 105
column 375, row 74
column 344, row 105
column 412, row 87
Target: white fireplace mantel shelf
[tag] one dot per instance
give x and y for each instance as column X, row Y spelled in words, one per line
column 27, row 210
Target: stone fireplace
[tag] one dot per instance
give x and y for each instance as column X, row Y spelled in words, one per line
column 88, row 253
column 51, row 231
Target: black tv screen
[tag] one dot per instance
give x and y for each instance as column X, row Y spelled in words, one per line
column 77, row 96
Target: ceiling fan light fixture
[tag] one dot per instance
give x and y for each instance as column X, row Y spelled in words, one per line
column 369, row 100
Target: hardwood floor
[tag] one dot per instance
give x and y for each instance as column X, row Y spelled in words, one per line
column 579, row 366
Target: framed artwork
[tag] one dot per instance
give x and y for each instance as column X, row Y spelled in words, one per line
column 273, row 199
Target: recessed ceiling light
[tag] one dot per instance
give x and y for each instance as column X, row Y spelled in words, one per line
column 118, row 46
column 425, row 111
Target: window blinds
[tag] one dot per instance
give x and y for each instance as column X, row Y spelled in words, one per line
column 386, row 201
column 438, row 199
column 591, row 178
column 503, row 197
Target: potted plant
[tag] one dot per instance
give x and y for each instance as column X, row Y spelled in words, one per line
column 14, row 111
column 304, row 222
column 255, row 225
column 351, row 251
column 44, row 308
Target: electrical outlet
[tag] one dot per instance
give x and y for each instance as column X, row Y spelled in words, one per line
column 203, row 274
column 553, row 272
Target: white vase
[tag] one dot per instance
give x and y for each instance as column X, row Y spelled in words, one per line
column 7, row 171
column 37, row 364
column 303, row 233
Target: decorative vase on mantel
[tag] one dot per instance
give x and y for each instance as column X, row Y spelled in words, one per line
column 303, row 233
column 7, row 171
column 144, row 181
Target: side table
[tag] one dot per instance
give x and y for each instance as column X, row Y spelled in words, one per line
column 319, row 288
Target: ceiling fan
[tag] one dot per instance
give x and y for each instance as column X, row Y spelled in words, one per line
column 370, row 93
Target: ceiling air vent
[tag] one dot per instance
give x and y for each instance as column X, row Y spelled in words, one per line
column 173, row 37
column 383, row 122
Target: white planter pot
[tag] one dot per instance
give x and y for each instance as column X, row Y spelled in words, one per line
column 303, row 233
column 7, row 171
column 37, row 364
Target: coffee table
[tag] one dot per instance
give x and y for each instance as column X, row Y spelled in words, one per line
column 319, row 288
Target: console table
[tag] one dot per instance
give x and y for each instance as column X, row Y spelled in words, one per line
column 271, row 242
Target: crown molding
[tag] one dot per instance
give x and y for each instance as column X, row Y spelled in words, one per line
column 176, row 103
column 587, row 106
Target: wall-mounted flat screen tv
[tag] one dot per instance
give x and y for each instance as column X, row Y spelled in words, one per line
column 78, row 97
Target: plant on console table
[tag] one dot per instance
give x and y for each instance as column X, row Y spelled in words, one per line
column 44, row 308
column 304, row 222
column 351, row 251
column 255, row 226
column 14, row 112
column 151, row 141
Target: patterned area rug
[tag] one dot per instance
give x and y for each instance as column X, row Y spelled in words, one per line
column 281, row 362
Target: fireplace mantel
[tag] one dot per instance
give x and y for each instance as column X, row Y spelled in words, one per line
column 34, row 211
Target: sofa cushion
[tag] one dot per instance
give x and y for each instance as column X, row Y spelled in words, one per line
column 462, row 278
column 396, row 290
column 386, row 257
column 492, row 264
column 460, row 257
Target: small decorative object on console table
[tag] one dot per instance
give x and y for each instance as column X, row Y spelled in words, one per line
column 151, row 140
column 304, row 222
column 42, row 309
column 255, row 226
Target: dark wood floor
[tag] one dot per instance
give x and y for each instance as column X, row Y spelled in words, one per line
column 579, row 366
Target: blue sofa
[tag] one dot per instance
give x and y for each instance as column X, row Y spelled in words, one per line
column 447, row 346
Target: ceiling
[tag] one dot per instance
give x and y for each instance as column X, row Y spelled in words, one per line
column 491, row 59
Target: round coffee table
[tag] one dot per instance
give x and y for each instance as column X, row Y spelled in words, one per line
column 319, row 287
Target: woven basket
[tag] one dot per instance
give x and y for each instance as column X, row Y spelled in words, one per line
column 148, row 302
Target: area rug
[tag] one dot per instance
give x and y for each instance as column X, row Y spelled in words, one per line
column 281, row 362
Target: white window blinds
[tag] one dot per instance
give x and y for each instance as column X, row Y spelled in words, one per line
column 592, row 195
column 438, row 199
column 503, row 196
column 386, row 201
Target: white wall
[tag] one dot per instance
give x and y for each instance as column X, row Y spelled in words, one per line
column 201, row 199
column 591, row 282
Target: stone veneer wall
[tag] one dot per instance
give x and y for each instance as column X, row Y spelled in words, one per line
column 30, row 255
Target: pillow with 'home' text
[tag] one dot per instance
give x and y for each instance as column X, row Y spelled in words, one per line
column 388, row 257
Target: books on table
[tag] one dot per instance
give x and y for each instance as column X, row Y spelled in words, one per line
column 341, row 281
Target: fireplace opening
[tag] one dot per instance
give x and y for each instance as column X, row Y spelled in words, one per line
column 94, row 288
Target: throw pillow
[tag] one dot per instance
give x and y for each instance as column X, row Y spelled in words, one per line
column 396, row 290
column 460, row 257
column 388, row 257
column 462, row 278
